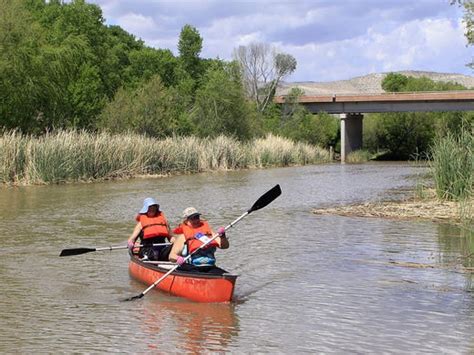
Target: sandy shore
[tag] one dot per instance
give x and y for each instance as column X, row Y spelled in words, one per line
column 429, row 208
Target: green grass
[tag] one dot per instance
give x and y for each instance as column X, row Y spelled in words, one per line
column 67, row 156
column 452, row 165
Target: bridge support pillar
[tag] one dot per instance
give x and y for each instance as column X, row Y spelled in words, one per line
column 351, row 133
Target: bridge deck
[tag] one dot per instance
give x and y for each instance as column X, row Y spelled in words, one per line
column 352, row 106
column 388, row 102
column 393, row 96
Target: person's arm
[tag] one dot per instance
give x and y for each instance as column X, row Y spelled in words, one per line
column 223, row 242
column 172, row 237
column 134, row 236
column 177, row 248
column 222, row 239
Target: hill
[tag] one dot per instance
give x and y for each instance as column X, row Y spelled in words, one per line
column 370, row 83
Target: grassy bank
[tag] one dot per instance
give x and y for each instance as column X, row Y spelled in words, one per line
column 80, row 156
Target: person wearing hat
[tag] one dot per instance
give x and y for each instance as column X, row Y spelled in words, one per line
column 190, row 235
column 152, row 228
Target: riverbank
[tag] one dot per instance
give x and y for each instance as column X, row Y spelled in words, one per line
column 76, row 156
column 428, row 207
column 451, row 199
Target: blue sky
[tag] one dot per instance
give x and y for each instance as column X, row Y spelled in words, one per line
column 330, row 39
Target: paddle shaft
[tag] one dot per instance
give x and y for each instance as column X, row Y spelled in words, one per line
column 126, row 246
column 78, row 251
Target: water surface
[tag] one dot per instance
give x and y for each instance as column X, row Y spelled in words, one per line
column 308, row 283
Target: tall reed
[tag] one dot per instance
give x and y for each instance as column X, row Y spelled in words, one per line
column 277, row 151
column 81, row 156
column 358, row 156
column 452, row 165
column 12, row 156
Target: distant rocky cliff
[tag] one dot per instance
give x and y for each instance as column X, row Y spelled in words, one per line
column 370, row 83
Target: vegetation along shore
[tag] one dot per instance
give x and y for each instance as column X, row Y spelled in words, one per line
column 451, row 200
column 67, row 156
column 427, row 207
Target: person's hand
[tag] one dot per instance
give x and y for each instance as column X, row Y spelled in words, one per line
column 130, row 244
column 180, row 260
column 221, row 231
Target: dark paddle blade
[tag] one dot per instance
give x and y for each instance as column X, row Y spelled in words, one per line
column 266, row 198
column 133, row 298
column 76, row 251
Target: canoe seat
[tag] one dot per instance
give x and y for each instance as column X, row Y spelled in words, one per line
column 163, row 264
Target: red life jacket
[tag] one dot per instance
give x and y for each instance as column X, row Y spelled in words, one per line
column 153, row 226
column 190, row 235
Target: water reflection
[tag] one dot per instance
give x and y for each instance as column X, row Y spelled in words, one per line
column 457, row 251
column 456, row 243
column 196, row 327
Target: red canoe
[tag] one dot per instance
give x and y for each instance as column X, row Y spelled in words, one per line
column 195, row 286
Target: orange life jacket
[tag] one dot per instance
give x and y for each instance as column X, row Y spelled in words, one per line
column 190, row 234
column 153, row 226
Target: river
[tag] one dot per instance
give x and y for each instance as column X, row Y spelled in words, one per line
column 308, row 283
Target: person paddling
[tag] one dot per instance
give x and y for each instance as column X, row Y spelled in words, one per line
column 152, row 228
column 190, row 235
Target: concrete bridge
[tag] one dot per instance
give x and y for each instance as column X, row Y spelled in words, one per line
column 351, row 108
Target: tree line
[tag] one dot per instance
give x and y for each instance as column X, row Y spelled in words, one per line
column 410, row 135
column 62, row 67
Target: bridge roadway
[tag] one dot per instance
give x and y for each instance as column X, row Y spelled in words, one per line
column 351, row 108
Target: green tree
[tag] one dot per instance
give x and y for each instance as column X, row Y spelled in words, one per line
column 221, row 106
column 20, row 41
column 37, row 77
column 149, row 109
column 468, row 20
column 65, row 69
column 61, row 64
column 119, row 46
column 404, row 135
column 189, row 47
column 86, row 96
column 394, row 82
column 147, row 62
column 300, row 125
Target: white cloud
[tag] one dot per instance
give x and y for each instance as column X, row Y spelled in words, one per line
column 432, row 45
column 136, row 23
column 330, row 39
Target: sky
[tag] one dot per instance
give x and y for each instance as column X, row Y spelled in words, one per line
column 330, row 39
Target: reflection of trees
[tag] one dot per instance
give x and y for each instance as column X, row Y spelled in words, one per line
column 457, row 246
column 183, row 326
